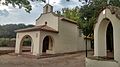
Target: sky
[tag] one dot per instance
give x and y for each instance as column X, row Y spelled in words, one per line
column 11, row 15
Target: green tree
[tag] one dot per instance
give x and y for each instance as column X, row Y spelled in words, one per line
column 27, row 6
column 7, row 31
column 90, row 12
column 24, row 3
column 71, row 13
column 21, row 3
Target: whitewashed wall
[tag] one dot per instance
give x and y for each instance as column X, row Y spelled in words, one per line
column 35, row 35
column 100, row 35
column 43, row 34
column 52, row 21
column 69, row 39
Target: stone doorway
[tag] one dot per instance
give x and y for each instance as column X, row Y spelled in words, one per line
column 47, row 44
column 105, row 39
column 101, row 40
column 109, row 41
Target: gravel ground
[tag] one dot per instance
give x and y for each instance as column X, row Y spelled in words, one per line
column 72, row 60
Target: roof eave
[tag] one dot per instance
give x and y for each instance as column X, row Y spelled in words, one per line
column 69, row 20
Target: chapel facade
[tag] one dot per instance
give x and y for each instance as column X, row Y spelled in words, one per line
column 52, row 34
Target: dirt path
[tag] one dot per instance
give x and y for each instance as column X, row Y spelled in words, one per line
column 73, row 60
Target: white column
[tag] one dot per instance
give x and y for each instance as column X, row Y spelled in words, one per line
column 17, row 46
column 100, row 48
column 117, row 43
column 36, row 46
column 32, row 46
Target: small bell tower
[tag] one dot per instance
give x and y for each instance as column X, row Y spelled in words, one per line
column 47, row 8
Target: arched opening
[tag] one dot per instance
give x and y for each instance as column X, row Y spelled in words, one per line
column 109, row 41
column 47, row 44
column 46, row 9
column 104, row 39
column 26, row 45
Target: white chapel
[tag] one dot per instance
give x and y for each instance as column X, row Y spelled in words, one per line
column 52, row 34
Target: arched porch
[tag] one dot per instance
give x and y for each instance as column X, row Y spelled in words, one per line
column 26, row 45
column 30, row 39
column 100, row 32
column 101, row 40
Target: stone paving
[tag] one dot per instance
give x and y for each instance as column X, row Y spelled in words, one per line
column 70, row 60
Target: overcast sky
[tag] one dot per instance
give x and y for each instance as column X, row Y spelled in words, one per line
column 8, row 14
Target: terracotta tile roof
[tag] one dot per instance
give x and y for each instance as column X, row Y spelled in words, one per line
column 38, row 28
